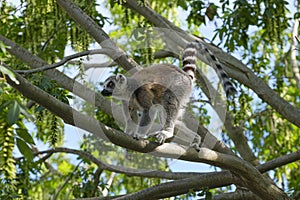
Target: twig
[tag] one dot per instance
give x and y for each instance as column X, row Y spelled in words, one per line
column 93, row 65
column 64, row 60
column 66, row 181
column 280, row 161
column 97, row 179
column 119, row 169
column 297, row 38
column 108, row 184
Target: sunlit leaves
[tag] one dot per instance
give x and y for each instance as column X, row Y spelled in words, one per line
column 49, row 127
column 24, row 148
column 13, row 113
column 24, row 135
column 199, row 10
column 6, row 72
column 43, row 28
column 246, row 16
column 7, row 163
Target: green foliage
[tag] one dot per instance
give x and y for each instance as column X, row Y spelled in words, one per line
column 256, row 31
column 42, row 27
column 268, row 16
column 49, row 127
column 112, row 154
column 7, row 163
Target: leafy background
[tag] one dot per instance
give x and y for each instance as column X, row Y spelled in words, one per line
column 257, row 32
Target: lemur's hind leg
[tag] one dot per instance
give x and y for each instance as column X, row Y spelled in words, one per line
column 144, row 124
column 131, row 118
column 171, row 106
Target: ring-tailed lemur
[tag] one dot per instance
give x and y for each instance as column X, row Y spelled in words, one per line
column 162, row 84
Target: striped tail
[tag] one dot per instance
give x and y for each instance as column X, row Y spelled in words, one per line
column 189, row 59
column 214, row 62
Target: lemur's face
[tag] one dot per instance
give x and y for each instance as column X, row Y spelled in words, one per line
column 114, row 85
column 109, row 86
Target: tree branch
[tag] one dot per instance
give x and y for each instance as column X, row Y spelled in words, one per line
column 183, row 186
column 234, row 67
column 236, row 133
column 98, row 34
column 121, row 169
column 239, row 194
column 64, row 60
column 93, row 65
column 208, row 178
column 280, row 161
column 92, row 97
column 65, row 81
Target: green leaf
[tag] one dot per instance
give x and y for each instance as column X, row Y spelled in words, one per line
column 2, row 47
column 182, row 4
column 13, row 113
column 211, row 11
column 24, row 148
column 297, row 15
column 9, row 73
column 23, row 133
column 24, row 111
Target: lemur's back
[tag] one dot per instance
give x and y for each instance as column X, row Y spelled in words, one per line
column 162, row 81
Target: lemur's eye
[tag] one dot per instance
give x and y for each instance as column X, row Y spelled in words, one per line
column 110, row 84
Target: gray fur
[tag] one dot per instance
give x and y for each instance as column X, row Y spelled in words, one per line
column 162, row 84
column 214, row 62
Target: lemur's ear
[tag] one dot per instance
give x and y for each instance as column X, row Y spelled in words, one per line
column 121, row 79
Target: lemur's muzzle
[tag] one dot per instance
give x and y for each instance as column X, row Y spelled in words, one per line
column 106, row 93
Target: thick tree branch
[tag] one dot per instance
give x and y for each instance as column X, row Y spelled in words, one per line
column 208, row 178
column 183, row 186
column 120, row 169
column 165, row 54
column 280, row 161
column 66, row 82
column 237, row 195
column 236, row 133
column 269, row 165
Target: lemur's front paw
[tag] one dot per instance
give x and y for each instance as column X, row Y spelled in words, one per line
column 161, row 136
column 196, row 143
column 136, row 136
column 132, row 133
